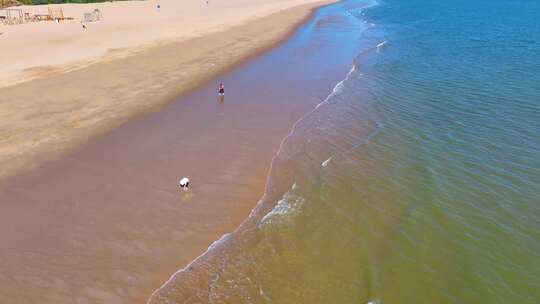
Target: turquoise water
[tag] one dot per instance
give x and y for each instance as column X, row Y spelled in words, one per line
column 458, row 89
column 416, row 181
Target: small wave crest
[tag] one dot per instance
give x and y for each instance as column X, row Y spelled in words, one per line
column 290, row 203
column 338, row 88
column 381, row 45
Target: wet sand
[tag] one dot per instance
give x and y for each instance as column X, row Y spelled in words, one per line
column 105, row 222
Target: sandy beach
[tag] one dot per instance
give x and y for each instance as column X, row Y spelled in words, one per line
column 364, row 152
column 73, row 84
column 90, row 209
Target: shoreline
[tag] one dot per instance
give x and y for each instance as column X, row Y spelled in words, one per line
column 119, row 89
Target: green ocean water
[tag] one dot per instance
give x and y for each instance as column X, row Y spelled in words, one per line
column 416, row 181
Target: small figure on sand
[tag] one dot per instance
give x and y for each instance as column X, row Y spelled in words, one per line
column 83, row 25
column 158, row 7
column 221, row 90
column 184, row 184
column 221, row 93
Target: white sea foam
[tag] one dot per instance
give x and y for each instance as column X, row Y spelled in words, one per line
column 381, row 45
column 325, row 163
column 222, row 239
column 337, row 89
column 288, row 204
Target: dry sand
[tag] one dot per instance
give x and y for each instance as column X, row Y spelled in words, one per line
column 30, row 49
column 62, row 85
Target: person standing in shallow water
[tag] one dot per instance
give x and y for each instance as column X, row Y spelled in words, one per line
column 221, row 92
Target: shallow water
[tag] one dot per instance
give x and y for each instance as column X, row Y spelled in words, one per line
column 416, row 181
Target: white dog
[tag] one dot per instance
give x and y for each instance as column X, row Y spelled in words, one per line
column 184, row 183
